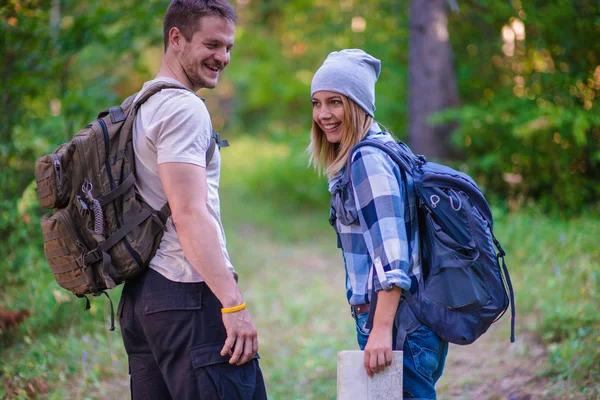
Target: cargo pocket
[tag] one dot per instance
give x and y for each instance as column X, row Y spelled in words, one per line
column 172, row 300
column 64, row 252
column 217, row 379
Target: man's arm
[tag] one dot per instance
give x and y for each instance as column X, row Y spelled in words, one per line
column 186, row 189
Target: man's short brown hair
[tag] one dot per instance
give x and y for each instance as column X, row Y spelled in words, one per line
column 186, row 14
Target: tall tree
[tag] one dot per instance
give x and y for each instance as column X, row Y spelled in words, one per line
column 432, row 82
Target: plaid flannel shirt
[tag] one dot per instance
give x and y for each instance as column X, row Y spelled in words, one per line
column 384, row 239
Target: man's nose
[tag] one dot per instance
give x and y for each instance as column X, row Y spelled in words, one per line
column 222, row 55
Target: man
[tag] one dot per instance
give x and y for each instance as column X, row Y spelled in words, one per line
column 184, row 323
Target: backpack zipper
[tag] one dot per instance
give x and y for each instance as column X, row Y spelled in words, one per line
column 56, row 165
column 130, row 249
column 79, row 147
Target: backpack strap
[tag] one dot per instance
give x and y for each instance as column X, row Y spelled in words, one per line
column 404, row 157
column 405, row 322
column 117, row 114
column 163, row 214
column 156, row 87
column 112, row 309
column 118, row 191
column 101, row 252
column 215, row 140
column 511, row 294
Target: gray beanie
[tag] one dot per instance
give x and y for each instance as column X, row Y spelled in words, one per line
column 350, row 72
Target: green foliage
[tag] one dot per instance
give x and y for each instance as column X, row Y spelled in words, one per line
column 529, row 130
column 55, row 79
column 530, row 126
column 275, row 171
column 273, row 179
column 57, row 340
column 280, row 45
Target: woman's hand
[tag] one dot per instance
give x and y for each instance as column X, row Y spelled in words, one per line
column 378, row 351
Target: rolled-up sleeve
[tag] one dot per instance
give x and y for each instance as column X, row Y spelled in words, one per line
column 379, row 198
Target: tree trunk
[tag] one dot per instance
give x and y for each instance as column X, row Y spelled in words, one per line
column 432, row 81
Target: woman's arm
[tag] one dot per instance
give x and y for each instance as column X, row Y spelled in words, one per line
column 379, row 197
column 378, row 351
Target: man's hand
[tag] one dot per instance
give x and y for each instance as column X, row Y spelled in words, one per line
column 242, row 339
column 378, row 351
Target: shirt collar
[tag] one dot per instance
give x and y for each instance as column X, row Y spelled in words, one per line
column 375, row 129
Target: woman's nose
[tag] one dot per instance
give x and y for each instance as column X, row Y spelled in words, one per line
column 325, row 113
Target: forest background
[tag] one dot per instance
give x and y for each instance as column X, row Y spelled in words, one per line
column 504, row 90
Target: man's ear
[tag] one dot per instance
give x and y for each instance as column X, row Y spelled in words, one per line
column 175, row 38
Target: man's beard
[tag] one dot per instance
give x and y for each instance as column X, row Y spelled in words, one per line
column 197, row 79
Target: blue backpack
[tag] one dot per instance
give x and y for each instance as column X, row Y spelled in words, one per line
column 464, row 288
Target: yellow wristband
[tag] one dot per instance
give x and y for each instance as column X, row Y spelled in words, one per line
column 233, row 309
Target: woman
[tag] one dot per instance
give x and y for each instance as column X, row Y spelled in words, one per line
column 379, row 239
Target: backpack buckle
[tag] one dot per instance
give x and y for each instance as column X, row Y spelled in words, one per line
column 93, row 256
column 501, row 252
column 81, row 206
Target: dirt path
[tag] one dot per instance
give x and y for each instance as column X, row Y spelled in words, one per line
column 489, row 369
column 492, row 368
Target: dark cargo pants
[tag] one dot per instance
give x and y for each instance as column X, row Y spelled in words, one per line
column 173, row 334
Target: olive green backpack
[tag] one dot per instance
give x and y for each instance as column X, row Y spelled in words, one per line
column 101, row 232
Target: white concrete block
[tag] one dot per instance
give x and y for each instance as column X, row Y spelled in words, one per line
column 353, row 383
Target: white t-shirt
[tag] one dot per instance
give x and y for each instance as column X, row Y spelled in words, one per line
column 174, row 126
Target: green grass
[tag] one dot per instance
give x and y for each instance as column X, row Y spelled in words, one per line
column 555, row 268
column 292, row 277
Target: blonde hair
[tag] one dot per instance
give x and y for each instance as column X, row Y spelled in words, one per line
column 329, row 158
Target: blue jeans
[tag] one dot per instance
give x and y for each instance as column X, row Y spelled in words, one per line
column 424, row 358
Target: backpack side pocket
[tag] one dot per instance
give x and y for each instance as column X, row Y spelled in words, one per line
column 49, row 182
column 65, row 252
column 455, row 281
column 51, row 177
